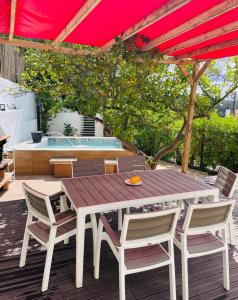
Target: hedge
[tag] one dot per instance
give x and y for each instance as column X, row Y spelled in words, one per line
column 215, row 142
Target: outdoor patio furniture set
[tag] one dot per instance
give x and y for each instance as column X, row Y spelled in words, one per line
column 144, row 240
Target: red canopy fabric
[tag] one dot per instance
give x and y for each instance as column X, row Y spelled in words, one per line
column 109, row 19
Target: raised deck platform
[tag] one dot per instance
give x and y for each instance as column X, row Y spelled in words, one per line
column 205, row 273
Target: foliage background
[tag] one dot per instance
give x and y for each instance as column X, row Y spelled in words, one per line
column 141, row 101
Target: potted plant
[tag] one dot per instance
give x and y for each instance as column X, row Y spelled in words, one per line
column 69, row 130
column 36, row 136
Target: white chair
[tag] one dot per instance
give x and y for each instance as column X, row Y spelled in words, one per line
column 138, row 248
column 226, row 181
column 128, row 164
column 88, row 167
column 196, row 236
column 48, row 229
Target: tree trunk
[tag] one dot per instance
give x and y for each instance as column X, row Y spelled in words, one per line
column 191, row 108
column 173, row 145
column 11, row 64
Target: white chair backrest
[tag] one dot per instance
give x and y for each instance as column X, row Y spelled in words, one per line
column 149, row 228
column 88, row 167
column 130, row 163
column 226, row 182
column 205, row 217
column 38, row 205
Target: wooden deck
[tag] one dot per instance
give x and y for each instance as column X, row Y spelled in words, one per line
column 205, row 274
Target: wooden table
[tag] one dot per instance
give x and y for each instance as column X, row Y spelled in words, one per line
column 101, row 193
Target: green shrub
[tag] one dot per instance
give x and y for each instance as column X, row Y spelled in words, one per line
column 215, row 142
column 69, row 130
column 150, row 140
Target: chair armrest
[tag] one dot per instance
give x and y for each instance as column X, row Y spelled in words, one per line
column 111, row 233
column 64, row 217
column 56, row 195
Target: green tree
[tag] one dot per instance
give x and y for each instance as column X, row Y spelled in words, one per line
column 130, row 89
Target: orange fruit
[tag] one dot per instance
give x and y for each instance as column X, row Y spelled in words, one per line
column 135, row 179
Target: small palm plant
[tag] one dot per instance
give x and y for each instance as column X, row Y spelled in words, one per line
column 69, row 130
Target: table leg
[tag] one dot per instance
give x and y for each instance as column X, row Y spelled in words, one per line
column 63, row 207
column 63, row 203
column 195, row 200
column 80, row 250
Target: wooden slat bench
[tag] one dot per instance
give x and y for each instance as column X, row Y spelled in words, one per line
column 4, row 181
column 62, row 166
column 5, row 177
column 110, row 166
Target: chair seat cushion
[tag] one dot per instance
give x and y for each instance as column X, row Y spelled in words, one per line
column 42, row 231
column 145, row 256
column 201, row 242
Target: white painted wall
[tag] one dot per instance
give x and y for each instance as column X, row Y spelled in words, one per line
column 57, row 123
column 75, row 119
column 228, row 112
column 99, row 128
column 19, row 122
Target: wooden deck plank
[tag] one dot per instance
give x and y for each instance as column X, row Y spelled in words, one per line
column 205, row 273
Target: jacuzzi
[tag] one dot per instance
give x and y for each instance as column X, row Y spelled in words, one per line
column 34, row 158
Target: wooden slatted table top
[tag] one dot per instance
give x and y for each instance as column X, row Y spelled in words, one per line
column 110, row 191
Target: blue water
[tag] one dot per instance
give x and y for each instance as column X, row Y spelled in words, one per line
column 81, row 143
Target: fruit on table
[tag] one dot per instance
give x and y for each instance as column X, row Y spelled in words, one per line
column 135, row 179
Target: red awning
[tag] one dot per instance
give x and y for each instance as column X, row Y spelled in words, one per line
column 180, row 28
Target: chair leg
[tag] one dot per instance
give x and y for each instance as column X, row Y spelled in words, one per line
column 98, row 251
column 50, row 250
column 225, row 256
column 25, row 242
column 226, row 273
column 120, row 214
column 94, row 232
column 122, row 287
column 172, row 280
column 184, row 267
column 231, row 232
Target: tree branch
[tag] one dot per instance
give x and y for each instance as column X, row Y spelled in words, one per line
column 173, row 145
column 227, row 94
column 219, row 100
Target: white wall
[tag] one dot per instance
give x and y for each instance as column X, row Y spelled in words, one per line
column 28, row 121
column 19, row 122
column 75, row 119
column 57, row 123
column 98, row 129
column 9, row 122
column 228, row 112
